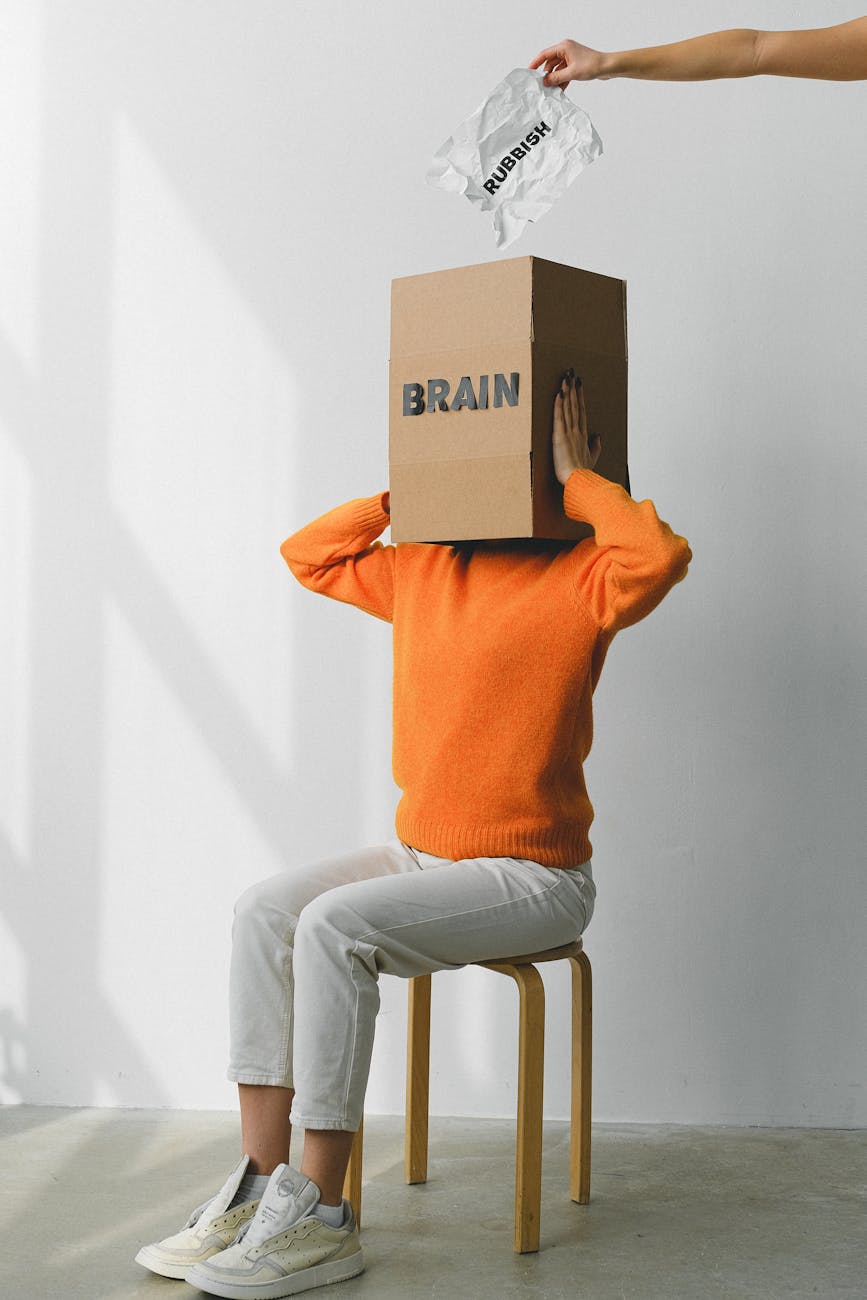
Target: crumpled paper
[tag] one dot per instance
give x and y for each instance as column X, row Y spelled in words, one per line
column 503, row 159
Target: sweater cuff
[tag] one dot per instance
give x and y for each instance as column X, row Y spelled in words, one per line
column 586, row 494
column 371, row 515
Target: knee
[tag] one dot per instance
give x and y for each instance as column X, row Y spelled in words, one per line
column 263, row 907
column 329, row 920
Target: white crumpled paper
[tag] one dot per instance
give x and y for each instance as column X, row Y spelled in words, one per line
column 475, row 161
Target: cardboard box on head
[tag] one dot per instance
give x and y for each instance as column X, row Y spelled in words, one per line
column 477, row 355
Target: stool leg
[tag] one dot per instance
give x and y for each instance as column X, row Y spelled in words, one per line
column 352, row 1181
column 582, row 1048
column 531, row 1071
column 417, row 1079
column 528, row 1160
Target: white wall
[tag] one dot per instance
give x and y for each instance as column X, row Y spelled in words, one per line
column 201, row 208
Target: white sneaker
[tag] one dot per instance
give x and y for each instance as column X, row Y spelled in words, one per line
column 209, row 1229
column 284, row 1249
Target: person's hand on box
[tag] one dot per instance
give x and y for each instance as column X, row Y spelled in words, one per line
column 573, row 447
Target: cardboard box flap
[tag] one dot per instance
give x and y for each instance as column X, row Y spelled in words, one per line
column 450, row 501
column 469, row 307
column 462, row 439
column 572, row 304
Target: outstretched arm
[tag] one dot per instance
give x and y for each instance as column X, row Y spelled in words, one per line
column 827, row 53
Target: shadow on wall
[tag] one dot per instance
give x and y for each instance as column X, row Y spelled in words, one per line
column 83, row 558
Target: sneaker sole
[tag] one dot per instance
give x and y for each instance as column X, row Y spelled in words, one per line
column 151, row 1258
column 339, row 1270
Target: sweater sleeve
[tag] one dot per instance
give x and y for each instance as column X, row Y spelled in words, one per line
column 634, row 559
column 337, row 555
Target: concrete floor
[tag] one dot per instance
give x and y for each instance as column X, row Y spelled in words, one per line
column 675, row 1212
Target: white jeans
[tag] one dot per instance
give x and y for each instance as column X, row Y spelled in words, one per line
column 308, row 946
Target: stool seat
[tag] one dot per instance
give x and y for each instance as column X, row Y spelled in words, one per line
column 531, row 1051
column 533, row 958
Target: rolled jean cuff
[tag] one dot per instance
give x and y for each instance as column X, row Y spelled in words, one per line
column 259, row 1080
column 302, row 1121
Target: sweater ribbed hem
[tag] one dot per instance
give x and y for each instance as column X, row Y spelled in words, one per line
column 587, row 494
column 560, row 845
column 370, row 513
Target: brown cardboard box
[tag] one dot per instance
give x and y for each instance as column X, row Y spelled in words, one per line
column 476, row 357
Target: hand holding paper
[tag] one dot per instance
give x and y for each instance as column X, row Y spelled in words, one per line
column 569, row 61
column 517, row 153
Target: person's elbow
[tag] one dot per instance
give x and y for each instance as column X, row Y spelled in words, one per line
column 306, row 574
column 680, row 557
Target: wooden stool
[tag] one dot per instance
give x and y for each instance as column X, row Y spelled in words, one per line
column 531, row 1046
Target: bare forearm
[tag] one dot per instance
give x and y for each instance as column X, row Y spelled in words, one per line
column 828, row 53
column 703, row 58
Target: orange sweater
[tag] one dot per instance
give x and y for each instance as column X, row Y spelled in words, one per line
column 497, row 651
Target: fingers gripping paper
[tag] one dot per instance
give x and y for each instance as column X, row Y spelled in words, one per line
column 517, row 153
